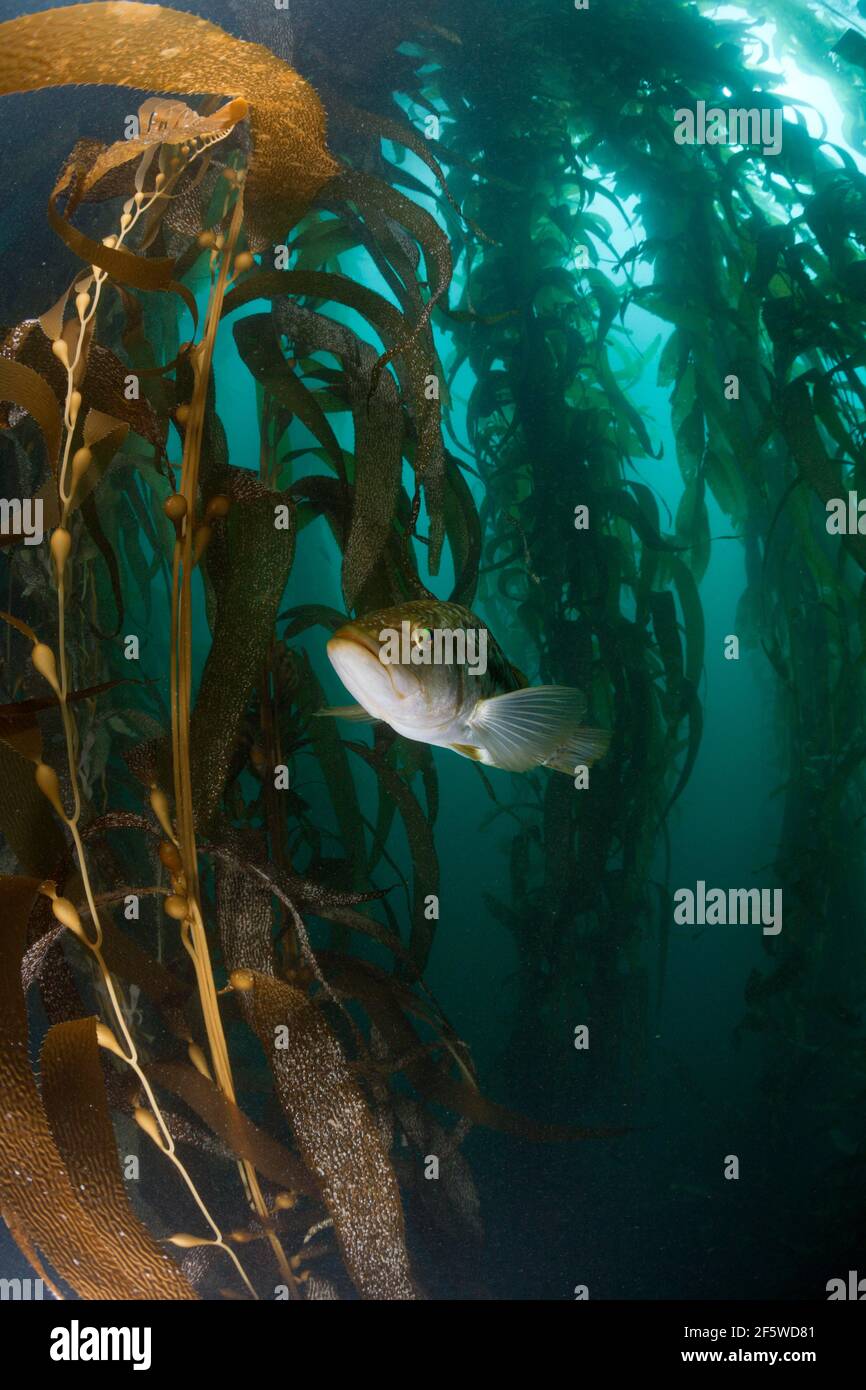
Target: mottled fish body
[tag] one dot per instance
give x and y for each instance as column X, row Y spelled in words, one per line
column 435, row 674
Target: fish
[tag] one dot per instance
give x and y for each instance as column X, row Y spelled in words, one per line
column 434, row 673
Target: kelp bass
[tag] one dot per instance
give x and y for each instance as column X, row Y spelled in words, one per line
column 435, row 674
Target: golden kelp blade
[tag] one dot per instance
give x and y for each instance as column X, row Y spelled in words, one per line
column 153, row 48
column 35, row 1187
column 164, row 123
column 22, row 386
column 236, row 1130
column 73, row 1094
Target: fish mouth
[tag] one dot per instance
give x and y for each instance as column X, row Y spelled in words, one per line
column 354, row 636
column 354, row 655
column 355, row 658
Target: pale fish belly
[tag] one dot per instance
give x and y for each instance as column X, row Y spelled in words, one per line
column 446, row 733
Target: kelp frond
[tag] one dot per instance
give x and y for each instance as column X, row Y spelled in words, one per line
column 155, row 48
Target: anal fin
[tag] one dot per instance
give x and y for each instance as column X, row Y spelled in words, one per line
column 467, row 751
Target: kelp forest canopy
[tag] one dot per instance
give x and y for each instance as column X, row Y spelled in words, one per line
column 316, row 310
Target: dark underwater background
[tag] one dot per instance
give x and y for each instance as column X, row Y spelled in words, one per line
column 709, row 1041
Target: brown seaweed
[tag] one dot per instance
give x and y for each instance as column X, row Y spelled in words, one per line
column 159, row 49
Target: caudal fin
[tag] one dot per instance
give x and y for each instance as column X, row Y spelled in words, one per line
column 582, row 750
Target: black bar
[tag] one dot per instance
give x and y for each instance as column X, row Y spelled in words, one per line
column 215, row 1338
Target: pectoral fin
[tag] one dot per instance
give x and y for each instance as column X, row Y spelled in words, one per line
column 356, row 713
column 525, row 727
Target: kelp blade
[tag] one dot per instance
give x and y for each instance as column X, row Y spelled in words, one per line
column 154, row 48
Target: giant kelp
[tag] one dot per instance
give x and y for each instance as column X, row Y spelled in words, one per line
column 155, row 48
column 202, row 763
column 579, row 166
column 289, row 908
column 756, row 265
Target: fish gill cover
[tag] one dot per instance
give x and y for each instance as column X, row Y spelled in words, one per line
column 511, row 355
